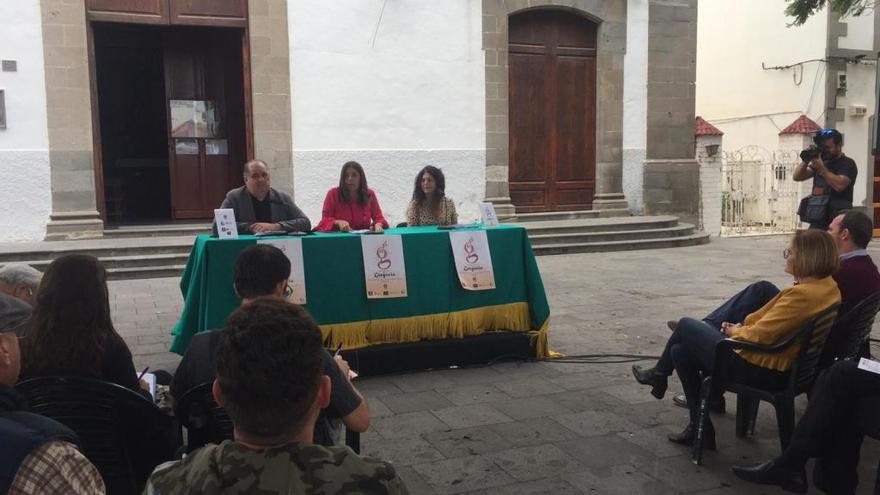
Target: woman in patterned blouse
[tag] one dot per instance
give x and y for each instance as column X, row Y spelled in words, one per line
column 429, row 205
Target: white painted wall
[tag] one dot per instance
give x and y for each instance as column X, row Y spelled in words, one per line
column 635, row 103
column 395, row 85
column 25, row 192
column 859, row 33
column 748, row 104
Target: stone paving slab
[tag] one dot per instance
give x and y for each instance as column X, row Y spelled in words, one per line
column 532, row 428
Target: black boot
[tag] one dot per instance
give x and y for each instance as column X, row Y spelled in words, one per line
column 689, row 434
column 658, row 381
column 771, row 473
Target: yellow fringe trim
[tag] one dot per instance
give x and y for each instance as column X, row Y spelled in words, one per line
column 456, row 324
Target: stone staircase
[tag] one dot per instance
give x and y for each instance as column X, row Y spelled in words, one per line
column 161, row 251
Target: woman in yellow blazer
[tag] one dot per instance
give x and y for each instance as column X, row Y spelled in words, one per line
column 810, row 259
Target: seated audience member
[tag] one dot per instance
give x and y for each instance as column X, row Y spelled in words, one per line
column 259, row 207
column 70, row 333
column 810, row 259
column 857, row 277
column 20, row 280
column 38, row 454
column 429, row 204
column 830, row 430
column 263, row 270
column 269, row 379
column 351, row 205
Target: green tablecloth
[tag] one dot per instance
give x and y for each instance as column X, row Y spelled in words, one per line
column 436, row 307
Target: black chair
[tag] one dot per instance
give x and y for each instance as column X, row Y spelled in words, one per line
column 800, row 378
column 121, row 432
column 869, row 422
column 851, row 331
column 207, row 422
column 401, row 224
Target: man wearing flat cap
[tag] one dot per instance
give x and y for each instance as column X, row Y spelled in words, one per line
column 39, row 454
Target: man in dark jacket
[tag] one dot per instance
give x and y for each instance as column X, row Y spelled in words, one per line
column 39, row 455
column 260, row 208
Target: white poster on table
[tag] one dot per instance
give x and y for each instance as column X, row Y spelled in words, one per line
column 224, row 219
column 488, row 215
column 473, row 262
column 384, row 267
column 292, row 248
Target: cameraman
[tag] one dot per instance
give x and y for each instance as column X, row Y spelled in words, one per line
column 833, row 174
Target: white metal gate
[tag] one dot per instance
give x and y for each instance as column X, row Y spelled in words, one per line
column 758, row 194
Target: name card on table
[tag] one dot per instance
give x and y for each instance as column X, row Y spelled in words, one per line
column 487, row 215
column 224, row 218
column 473, row 262
column 384, row 267
column 292, row 248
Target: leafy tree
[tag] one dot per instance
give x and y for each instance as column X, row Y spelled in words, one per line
column 801, row 10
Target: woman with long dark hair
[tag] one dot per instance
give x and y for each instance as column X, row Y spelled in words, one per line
column 429, row 204
column 351, row 205
column 70, row 332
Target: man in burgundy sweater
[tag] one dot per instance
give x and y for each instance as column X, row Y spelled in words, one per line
column 857, row 277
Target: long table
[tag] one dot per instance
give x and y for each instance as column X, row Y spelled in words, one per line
column 437, row 307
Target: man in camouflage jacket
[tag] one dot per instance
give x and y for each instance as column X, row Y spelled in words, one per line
column 269, row 381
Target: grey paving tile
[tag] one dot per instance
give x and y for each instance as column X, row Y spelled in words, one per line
column 415, row 401
column 530, row 407
column 419, row 382
column 528, row 387
column 605, row 451
column 463, row 474
column 654, row 440
column 402, row 451
column 584, row 400
column 594, row 422
column 535, row 462
column 473, row 394
column 414, row 481
column 378, row 409
column 680, row 473
column 467, row 441
column 377, row 387
column 547, row 486
column 617, row 480
column 533, row 432
column 471, row 415
column 407, row 425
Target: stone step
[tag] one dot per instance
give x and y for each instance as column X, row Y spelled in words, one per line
column 166, row 230
column 584, row 225
column 679, row 230
column 601, row 247
column 100, row 248
column 121, row 262
column 170, row 271
column 567, row 215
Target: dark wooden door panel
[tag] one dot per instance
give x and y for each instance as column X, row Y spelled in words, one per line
column 552, row 116
column 232, row 13
column 134, row 11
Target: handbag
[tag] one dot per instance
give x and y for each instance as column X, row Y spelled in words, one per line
column 814, row 208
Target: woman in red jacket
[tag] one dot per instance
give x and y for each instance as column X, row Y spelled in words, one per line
column 352, row 205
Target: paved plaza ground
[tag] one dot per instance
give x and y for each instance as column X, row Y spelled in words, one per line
column 547, row 427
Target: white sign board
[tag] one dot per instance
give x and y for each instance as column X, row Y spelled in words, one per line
column 384, row 267
column 224, row 219
column 487, row 214
column 292, row 248
column 473, row 262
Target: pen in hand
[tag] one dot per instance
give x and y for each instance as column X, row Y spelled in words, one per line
column 143, row 373
column 338, row 350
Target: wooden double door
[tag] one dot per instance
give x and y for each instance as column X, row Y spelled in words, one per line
column 552, row 108
column 170, row 79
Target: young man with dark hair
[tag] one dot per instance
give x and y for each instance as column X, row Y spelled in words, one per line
column 263, row 270
column 269, row 379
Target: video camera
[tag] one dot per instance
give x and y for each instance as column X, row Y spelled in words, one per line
column 818, row 148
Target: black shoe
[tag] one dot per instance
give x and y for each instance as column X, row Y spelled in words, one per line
column 689, row 434
column 651, row 376
column 771, row 474
column 718, row 405
column 672, row 324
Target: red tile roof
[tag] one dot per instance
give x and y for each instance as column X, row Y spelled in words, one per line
column 703, row 128
column 801, row 125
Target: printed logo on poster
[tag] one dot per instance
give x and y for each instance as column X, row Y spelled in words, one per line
column 473, row 262
column 384, row 266
column 292, row 248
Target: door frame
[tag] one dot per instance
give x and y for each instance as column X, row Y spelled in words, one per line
column 97, row 158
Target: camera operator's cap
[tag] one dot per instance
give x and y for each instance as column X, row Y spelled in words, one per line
column 826, row 133
column 14, row 315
